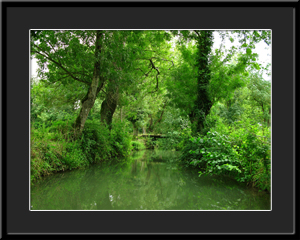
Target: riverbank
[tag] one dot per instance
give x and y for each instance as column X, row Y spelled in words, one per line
column 54, row 148
column 56, row 163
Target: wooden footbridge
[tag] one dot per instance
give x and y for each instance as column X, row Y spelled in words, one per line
column 153, row 136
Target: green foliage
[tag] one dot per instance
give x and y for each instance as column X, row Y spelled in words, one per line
column 232, row 113
column 47, row 105
column 255, row 151
column 175, row 127
column 170, row 142
column 137, row 145
column 46, row 154
column 120, row 140
column 240, row 155
column 260, row 95
column 149, row 143
column 226, row 78
column 214, row 106
column 213, row 153
column 55, row 149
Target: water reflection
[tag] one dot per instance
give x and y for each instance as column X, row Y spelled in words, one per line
column 149, row 180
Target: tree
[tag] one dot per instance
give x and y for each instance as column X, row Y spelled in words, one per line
column 71, row 56
column 260, row 95
column 212, row 77
column 142, row 81
column 110, row 103
column 203, row 102
column 89, row 100
column 97, row 58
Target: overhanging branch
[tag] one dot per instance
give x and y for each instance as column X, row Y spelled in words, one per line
column 197, row 33
column 58, row 64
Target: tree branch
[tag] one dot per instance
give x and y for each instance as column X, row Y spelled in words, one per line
column 165, row 60
column 59, row 65
column 197, row 33
column 153, row 67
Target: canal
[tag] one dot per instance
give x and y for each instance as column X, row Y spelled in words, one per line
column 148, row 180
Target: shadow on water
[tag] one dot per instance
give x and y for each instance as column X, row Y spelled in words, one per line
column 149, row 180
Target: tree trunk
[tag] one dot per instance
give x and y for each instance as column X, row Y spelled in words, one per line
column 150, row 128
column 203, row 103
column 89, row 100
column 109, row 106
column 144, row 130
column 135, row 130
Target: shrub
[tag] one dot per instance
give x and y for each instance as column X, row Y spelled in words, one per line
column 64, row 128
column 137, row 145
column 253, row 142
column 242, row 155
column 94, row 141
column 120, row 139
column 170, row 142
column 54, row 148
column 149, row 143
column 213, row 154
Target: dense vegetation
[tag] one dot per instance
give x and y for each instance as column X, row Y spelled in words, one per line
column 98, row 91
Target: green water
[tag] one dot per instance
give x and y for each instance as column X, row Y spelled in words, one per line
column 149, row 180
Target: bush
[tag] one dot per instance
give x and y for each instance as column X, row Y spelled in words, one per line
column 174, row 140
column 66, row 128
column 243, row 156
column 213, row 154
column 54, row 148
column 149, row 143
column 254, row 147
column 120, row 139
column 170, row 142
column 137, row 145
column 95, row 141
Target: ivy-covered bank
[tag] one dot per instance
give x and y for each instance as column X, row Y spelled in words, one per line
column 207, row 92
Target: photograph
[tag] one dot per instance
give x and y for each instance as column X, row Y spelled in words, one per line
column 150, row 119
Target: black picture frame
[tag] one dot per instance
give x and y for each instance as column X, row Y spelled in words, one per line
column 19, row 17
